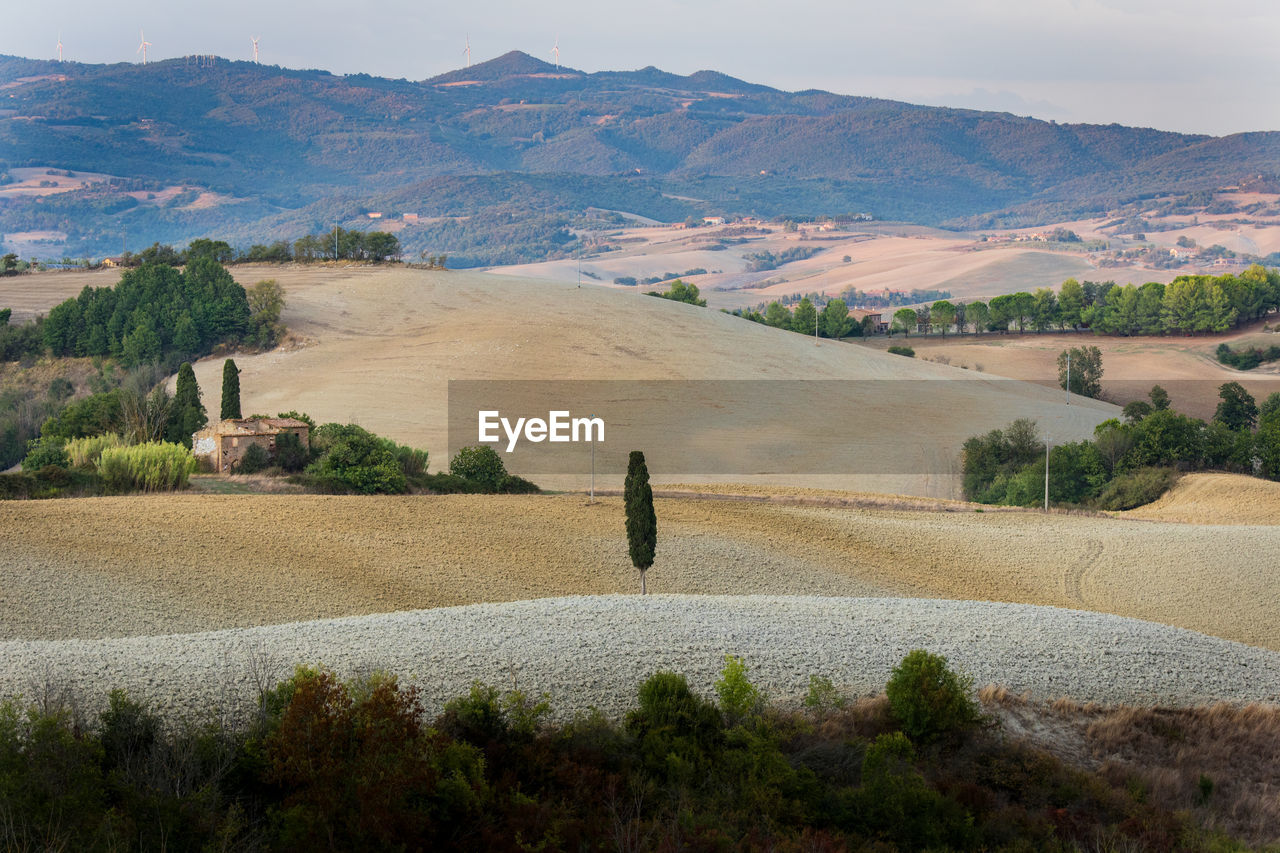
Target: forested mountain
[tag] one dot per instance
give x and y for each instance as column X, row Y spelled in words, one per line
column 515, row 143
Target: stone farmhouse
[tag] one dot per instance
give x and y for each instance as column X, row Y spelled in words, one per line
column 224, row 444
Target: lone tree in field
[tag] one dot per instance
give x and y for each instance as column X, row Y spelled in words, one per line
column 642, row 523
column 230, row 390
column 1085, row 371
column 187, row 414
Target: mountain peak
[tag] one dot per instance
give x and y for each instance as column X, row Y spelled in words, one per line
column 513, row 63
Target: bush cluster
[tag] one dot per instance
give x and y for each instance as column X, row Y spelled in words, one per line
column 357, row 765
column 1126, row 464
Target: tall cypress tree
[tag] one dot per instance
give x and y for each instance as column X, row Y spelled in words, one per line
column 642, row 523
column 230, row 390
column 187, row 414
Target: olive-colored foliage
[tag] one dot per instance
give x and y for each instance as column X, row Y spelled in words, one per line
column 1136, row 488
column 929, row 699
column 362, row 772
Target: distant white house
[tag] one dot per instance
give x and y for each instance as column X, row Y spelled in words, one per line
column 374, row 215
column 713, row 220
column 411, row 217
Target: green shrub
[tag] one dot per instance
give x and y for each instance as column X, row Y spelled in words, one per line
column 928, row 699
column 822, row 696
column 45, row 451
column 1136, row 488
column 151, row 467
column 447, row 484
column 739, row 698
column 85, row 452
column 291, row 455
column 676, row 731
column 412, row 462
column 481, row 465
column 352, row 459
column 907, row 351
column 256, row 458
column 513, row 485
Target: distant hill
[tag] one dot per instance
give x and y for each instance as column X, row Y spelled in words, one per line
column 498, row 158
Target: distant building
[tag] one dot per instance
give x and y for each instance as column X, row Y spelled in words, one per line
column 112, row 262
column 374, row 215
column 411, row 217
column 225, row 443
column 713, row 220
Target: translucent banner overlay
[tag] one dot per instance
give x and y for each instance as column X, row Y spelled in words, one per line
column 758, row 427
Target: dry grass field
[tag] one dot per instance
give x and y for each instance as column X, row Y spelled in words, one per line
column 1216, row 499
column 154, row 565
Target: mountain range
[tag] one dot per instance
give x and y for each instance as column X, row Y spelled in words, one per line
column 500, row 158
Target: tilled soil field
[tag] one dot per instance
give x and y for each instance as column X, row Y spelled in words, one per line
column 594, row 652
column 119, row 567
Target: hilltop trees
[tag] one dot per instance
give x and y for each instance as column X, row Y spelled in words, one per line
column 230, row 390
column 155, row 311
column 642, row 522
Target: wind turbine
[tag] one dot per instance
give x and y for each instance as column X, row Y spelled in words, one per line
column 59, row 46
column 142, row 48
column 556, row 51
column 255, row 41
column 468, row 51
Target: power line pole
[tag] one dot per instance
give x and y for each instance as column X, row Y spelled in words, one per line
column 1046, row 473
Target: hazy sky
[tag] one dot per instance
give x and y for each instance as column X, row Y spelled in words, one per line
column 1172, row 64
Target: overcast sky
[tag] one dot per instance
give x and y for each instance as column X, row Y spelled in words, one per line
column 1172, row 64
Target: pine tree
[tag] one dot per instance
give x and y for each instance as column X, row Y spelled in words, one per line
column 642, row 523
column 187, row 414
column 230, row 390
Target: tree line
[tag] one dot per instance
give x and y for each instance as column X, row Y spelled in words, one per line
column 1128, row 462
column 1190, row 304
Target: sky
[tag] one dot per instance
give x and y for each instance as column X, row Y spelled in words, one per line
column 1171, row 64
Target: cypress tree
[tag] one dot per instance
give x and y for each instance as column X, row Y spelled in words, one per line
column 187, row 414
column 230, row 390
column 642, row 523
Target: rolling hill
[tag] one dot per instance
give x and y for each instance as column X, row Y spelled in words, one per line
column 508, row 152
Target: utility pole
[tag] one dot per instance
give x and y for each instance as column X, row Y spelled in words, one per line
column 1046, row 473
column 592, row 498
column 335, row 242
